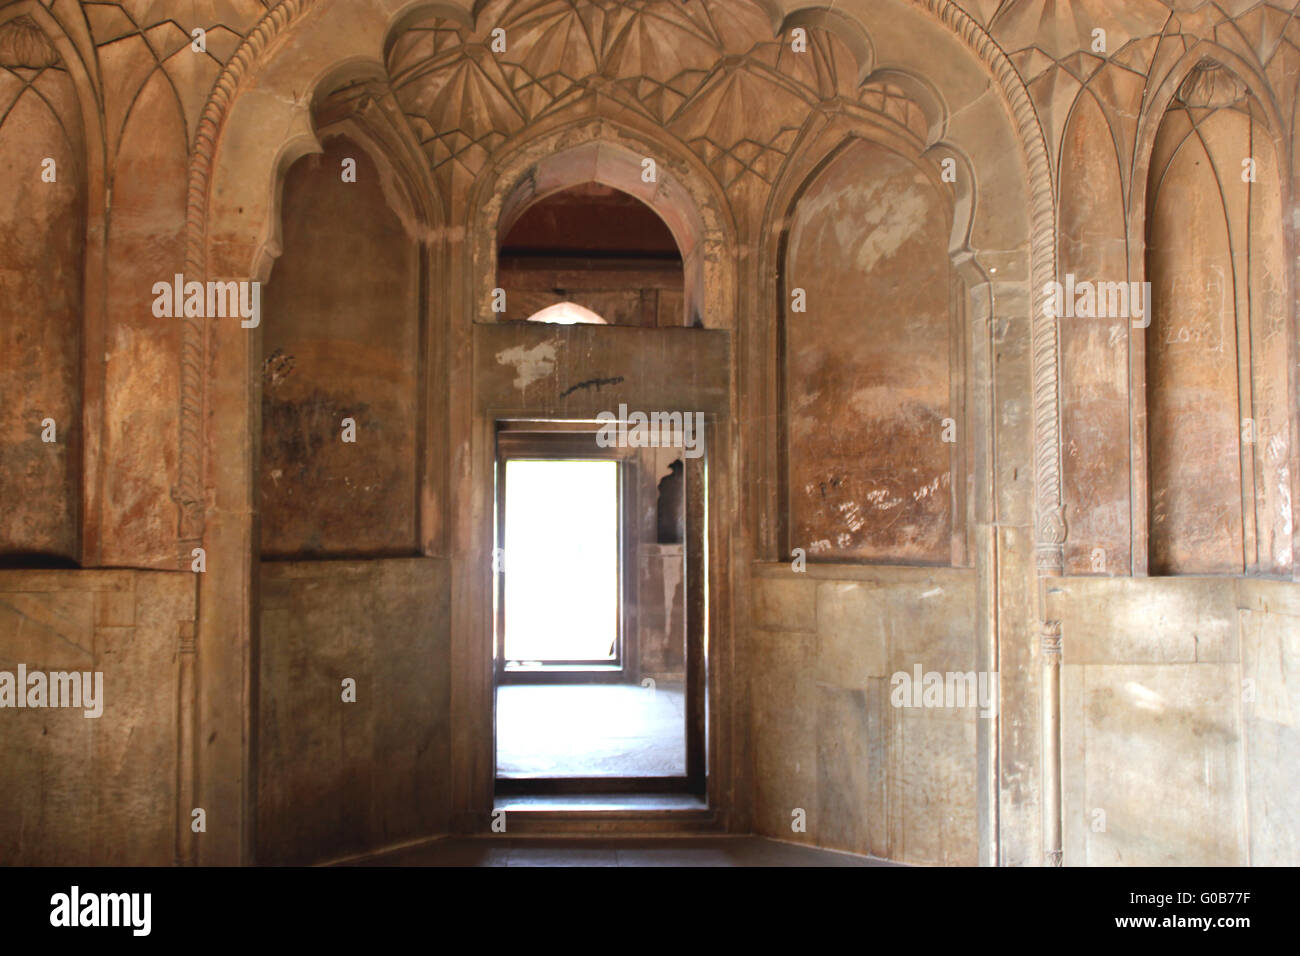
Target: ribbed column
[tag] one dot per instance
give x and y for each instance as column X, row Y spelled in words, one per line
column 185, row 763
column 1051, row 634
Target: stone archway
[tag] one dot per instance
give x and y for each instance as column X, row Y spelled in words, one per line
column 1138, row 210
column 257, row 121
column 602, row 150
column 291, row 13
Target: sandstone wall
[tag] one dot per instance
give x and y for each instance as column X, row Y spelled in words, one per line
column 1088, row 445
column 96, row 791
column 896, row 782
column 337, row 778
column 1179, row 721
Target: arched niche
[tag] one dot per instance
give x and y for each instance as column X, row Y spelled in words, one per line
column 342, row 366
column 596, row 247
column 43, row 235
column 1218, row 429
column 598, row 150
column 871, row 362
column 1095, row 352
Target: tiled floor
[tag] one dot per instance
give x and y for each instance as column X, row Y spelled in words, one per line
column 590, row 730
column 664, row 851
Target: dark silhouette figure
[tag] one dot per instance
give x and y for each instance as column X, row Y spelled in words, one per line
column 672, row 505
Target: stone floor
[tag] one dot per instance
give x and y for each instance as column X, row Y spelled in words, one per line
column 590, row 730
column 737, row 851
column 599, row 801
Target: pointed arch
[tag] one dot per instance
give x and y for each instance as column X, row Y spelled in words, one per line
column 1217, row 357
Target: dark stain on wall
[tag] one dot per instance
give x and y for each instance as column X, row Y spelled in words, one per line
column 341, row 341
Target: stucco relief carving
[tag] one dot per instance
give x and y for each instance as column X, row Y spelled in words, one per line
column 723, row 57
column 23, row 43
column 713, row 75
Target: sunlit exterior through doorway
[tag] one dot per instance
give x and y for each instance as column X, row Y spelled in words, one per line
column 561, row 561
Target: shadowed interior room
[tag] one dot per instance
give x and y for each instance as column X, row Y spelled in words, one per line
column 678, row 432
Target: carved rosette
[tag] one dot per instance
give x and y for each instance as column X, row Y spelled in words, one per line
column 1049, row 539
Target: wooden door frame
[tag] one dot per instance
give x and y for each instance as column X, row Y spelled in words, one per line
column 565, row 439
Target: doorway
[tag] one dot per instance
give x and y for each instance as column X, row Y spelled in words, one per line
column 563, row 595
column 593, row 655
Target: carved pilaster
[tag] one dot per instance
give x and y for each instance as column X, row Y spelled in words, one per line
column 188, row 491
column 185, row 758
column 1049, row 518
column 1050, row 633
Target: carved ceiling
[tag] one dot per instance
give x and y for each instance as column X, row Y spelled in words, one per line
column 23, row 44
column 1060, row 56
column 712, row 74
column 697, row 68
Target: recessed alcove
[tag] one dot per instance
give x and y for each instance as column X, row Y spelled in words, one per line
column 43, row 235
column 1215, row 260
column 341, row 341
column 595, row 247
column 871, row 330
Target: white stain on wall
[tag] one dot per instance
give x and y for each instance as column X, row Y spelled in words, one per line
column 870, row 221
column 531, row 365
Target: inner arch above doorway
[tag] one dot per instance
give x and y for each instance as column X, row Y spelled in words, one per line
column 600, row 152
column 593, row 255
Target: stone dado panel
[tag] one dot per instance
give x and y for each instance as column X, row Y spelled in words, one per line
column 1179, row 720
column 91, row 791
column 338, row 778
column 896, row 782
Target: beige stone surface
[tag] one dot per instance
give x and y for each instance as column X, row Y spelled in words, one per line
column 784, row 698
column 895, row 782
column 1146, row 621
column 1270, row 648
column 1177, row 720
column 785, row 605
column 94, row 791
column 852, row 632
column 340, row 777
column 1163, row 762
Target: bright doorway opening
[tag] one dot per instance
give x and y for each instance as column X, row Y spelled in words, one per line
column 593, row 662
column 562, row 590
